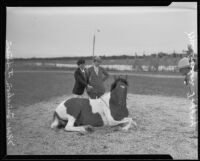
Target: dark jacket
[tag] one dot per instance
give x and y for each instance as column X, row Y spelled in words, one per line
column 97, row 82
column 81, row 82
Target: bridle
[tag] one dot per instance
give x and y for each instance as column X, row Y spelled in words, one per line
column 104, row 101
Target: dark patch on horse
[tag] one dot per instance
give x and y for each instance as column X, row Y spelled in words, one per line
column 113, row 85
column 81, row 110
column 61, row 123
column 117, row 100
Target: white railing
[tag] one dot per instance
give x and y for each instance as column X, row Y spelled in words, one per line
column 110, row 67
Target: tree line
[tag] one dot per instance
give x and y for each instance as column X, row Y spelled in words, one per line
column 153, row 55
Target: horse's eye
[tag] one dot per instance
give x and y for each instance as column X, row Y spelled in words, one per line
column 122, row 86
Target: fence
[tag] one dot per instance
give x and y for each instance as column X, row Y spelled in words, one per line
column 145, row 68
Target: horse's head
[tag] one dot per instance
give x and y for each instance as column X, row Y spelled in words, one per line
column 119, row 85
column 118, row 96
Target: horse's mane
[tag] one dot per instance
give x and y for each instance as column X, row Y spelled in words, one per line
column 113, row 85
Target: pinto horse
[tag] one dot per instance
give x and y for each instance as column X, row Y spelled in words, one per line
column 82, row 114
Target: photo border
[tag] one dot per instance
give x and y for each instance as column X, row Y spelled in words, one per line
column 69, row 3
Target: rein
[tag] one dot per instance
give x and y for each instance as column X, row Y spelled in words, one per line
column 104, row 102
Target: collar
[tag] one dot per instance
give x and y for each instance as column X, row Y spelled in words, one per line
column 104, row 101
column 82, row 70
column 95, row 67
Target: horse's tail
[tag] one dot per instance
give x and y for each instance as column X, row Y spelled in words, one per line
column 57, row 121
column 54, row 116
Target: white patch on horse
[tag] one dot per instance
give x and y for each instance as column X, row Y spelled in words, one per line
column 100, row 106
column 122, row 86
column 62, row 111
column 96, row 105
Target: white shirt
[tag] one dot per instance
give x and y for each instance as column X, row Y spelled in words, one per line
column 83, row 71
column 96, row 69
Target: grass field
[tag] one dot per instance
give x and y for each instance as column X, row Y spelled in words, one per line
column 161, row 130
column 30, row 87
column 157, row 104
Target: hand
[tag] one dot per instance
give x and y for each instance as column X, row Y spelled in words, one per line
column 104, row 79
column 89, row 87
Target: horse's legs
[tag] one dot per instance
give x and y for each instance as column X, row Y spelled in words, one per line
column 126, row 120
column 70, row 126
column 130, row 121
column 112, row 122
column 115, row 123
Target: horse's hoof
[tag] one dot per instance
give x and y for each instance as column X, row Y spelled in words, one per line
column 89, row 128
column 134, row 124
column 117, row 129
column 81, row 133
column 125, row 129
column 56, row 130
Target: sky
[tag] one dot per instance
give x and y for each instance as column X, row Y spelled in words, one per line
column 69, row 31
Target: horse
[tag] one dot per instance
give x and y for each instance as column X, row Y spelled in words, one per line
column 77, row 114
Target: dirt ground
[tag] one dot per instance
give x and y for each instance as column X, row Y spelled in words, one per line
column 162, row 123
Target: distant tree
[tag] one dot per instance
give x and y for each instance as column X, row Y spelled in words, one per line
column 154, row 63
column 153, row 55
column 174, row 54
column 144, row 54
column 161, row 54
column 103, row 57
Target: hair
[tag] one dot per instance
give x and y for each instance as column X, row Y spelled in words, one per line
column 80, row 61
column 95, row 59
column 113, row 85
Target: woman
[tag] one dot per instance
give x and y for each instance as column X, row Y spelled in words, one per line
column 81, row 79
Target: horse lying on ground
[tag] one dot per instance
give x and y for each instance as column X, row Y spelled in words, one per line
column 82, row 114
